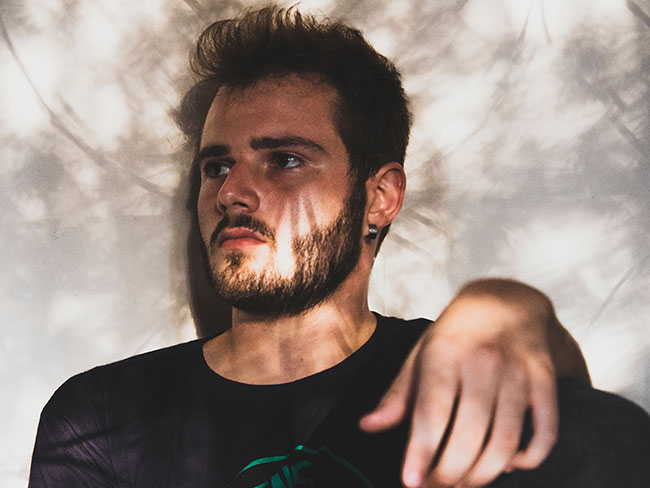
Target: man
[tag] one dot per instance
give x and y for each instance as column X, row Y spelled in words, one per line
column 301, row 130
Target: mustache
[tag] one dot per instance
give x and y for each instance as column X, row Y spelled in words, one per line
column 245, row 221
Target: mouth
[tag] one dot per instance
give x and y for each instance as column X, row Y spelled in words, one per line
column 238, row 237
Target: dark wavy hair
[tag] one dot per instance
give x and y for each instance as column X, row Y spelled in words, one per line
column 372, row 114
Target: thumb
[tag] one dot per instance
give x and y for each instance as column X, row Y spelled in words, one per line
column 392, row 408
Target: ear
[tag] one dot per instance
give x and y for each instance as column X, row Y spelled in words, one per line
column 385, row 192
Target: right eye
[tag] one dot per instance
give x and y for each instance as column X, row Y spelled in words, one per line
column 215, row 169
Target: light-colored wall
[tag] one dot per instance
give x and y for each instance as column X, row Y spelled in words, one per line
column 529, row 159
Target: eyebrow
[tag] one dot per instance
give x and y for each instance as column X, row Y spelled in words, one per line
column 214, row 151
column 221, row 150
column 277, row 142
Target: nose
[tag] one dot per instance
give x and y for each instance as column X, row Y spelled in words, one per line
column 238, row 192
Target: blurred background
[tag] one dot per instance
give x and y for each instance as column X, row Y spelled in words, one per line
column 530, row 158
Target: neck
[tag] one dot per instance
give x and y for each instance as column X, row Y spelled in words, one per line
column 273, row 350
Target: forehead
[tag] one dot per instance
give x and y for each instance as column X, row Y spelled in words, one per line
column 289, row 105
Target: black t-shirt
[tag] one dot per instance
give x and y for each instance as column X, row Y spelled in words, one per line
column 165, row 419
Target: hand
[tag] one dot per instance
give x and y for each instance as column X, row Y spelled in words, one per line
column 489, row 352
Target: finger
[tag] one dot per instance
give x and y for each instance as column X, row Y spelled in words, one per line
column 435, row 395
column 392, row 408
column 502, row 446
column 543, row 403
column 481, row 377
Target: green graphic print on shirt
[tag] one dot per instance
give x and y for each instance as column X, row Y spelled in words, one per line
column 304, row 467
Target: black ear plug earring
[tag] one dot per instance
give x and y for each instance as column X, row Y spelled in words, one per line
column 372, row 231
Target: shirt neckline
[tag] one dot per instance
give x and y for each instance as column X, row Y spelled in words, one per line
column 354, row 357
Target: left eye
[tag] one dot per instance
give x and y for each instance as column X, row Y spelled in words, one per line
column 286, row 161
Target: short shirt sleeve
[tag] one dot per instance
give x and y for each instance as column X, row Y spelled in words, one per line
column 71, row 447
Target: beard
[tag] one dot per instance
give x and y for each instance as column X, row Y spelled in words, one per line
column 323, row 259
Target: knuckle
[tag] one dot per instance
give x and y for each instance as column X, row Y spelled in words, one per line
column 443, row 476
column 518, row 372
column 481, row 479
column 489, row 358
column 518, row 369
column 428, row 413
column 444, row 343
column 441, row 351
column 505, row 446
column 545, row 373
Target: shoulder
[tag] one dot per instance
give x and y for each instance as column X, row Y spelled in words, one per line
column 597, row 422
column 395, row 338
column 603, row 441
column 393, row 328
column 112, row 414
column 132, row 375
column 605, row 437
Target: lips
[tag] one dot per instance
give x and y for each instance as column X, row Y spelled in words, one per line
column 239, row 236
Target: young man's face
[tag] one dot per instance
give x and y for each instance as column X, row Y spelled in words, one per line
column 279, row 220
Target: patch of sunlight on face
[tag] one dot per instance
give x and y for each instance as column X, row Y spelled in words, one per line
column 590, row 247
column 31, row 207
column 295, row 222
column 285, row 261
column 74, row 311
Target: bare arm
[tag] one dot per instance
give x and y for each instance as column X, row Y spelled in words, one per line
column 494, row 353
